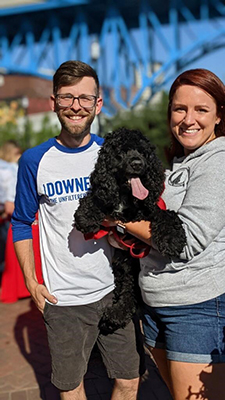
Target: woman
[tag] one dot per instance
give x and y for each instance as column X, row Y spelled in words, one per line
column 184, row 313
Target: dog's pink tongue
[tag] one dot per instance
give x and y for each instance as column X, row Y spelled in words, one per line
column 138, row 190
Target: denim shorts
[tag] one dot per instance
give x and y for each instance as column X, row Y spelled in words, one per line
column 192, row 333
column 72, row 333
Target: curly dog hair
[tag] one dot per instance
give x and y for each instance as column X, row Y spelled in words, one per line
column 126, row 185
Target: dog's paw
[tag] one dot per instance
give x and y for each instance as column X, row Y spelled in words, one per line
column 112, row 319
column 168, row 234
column 170, row 246
column 84, row 224
column 106, row 326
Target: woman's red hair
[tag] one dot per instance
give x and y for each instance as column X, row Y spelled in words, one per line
column 211, row 84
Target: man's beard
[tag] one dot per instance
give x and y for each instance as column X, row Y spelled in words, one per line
column 76, row 131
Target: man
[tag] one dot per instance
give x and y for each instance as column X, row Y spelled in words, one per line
column 77, row 273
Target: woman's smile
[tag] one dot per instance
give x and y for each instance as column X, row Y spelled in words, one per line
column 193, row 117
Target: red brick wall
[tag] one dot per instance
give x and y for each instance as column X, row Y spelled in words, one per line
column 37, row 90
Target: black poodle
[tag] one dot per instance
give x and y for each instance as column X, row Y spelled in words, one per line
column 126, row 185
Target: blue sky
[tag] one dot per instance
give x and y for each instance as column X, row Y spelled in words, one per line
column 214, row 61
column 191, row 32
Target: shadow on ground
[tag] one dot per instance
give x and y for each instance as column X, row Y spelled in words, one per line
column 31, row 338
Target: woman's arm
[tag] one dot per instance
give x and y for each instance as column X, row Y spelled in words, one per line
column 141, row 229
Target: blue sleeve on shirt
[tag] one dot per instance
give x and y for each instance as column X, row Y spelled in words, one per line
column 27, row 199
column 99, row 140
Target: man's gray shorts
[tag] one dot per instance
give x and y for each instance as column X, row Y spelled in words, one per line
column 72, row 334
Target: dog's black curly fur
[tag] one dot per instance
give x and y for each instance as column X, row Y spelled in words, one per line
column 128, row 154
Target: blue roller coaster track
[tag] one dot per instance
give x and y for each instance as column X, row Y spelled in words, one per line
column 136, row 46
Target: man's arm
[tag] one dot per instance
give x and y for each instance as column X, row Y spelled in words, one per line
column 25, row 255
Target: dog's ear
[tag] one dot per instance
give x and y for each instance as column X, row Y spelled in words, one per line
column 102, row 180
column 103, row 166
column 101, row 170
column 104, row 185
column 107, row 192
column 156, row 170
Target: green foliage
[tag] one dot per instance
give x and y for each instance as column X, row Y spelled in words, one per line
column 26, row 136
column 151, row 120
column 9, row 131
column 47, row 131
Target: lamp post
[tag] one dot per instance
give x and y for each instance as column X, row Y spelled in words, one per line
column 95, row 54
column 25, row 105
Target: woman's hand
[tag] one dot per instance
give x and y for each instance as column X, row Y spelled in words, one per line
column 107, row 222
column 114, row 243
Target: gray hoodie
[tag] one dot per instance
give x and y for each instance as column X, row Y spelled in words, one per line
column 195, row 188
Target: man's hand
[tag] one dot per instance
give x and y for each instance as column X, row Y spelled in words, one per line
column 39, row 294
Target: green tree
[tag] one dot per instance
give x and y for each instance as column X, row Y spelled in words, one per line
column 47, row 131
column 26, row 136
column 150, row 120
column 8, row 131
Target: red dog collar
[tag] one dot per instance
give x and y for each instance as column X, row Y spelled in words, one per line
column 137, row 248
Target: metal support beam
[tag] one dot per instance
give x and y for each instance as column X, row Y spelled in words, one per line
column 140, row 45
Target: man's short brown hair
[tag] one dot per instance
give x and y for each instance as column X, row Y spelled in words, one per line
column 71, row 72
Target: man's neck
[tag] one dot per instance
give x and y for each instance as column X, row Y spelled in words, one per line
column 73, row 142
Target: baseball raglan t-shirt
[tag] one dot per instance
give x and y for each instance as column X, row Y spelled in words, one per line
column 52, row 178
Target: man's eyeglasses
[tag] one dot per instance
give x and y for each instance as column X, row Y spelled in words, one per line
column 67, row 100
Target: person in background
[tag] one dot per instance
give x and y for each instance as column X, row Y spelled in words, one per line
column 78, row 278
column 10, row 153
column 184, row 313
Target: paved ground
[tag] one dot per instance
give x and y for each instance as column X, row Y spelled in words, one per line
column 25, row 361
